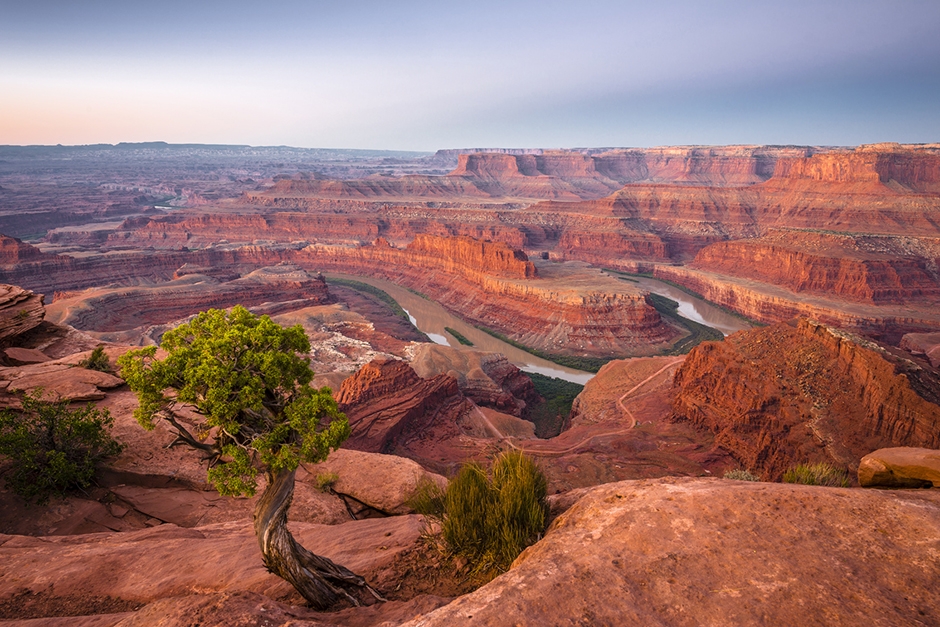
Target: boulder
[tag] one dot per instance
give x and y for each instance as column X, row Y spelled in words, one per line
column 683, row 552
column 383, row 482
column 20, row 311
column 900, row 467
column 386, row 402
column 16, row 356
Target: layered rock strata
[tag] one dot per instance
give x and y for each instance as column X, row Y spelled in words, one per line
column 781, row 395
column 121, row 309
column 20, row 311
column 387, row 402
column 579, row 313
column 873, row 270
column 488, row 379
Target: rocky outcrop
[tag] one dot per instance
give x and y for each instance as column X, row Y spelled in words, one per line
column 120, row 309
column 13, row 250
column 384, row 483
column 20, row 311
column 59, row 379
column 769, row 303
column 468, row 256
column 900, row 467
column 682, row 552
column 574, row 311
column 387, row 402
column 874, row 270
column 488, row 379
column 144, row 566
column 926, row 344
column 781, row 395
column 876, row 165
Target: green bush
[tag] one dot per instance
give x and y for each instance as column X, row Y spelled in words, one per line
column 817, row 474
column 741, row 475
column 491, row 519
column 326, row 480
column 54, row 449
column 96, row 361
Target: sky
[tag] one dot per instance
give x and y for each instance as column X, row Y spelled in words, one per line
column 424, row 75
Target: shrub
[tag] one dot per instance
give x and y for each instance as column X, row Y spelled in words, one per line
column 490, row 520
column 325, row 481
column 96, row 361
column 817, row 474
column 54, row 449
column 741, row 475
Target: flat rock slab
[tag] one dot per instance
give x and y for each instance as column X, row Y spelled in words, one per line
column 16, row 356
column 692, row 552
column 166, row 561
column 900, row 467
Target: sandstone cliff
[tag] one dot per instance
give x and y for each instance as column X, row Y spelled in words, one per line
column 879, row 167
column 875, row 270
column 488, row 379
column 120, row 309
column 782, row 395
column 386, row 403
column 575, row 312
column 20, row 311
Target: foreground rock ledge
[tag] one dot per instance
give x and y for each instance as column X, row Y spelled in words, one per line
column 715, row 552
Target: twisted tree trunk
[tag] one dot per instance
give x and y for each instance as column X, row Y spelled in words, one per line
column 319, row 580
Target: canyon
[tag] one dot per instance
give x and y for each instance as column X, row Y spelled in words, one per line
column 827, row 256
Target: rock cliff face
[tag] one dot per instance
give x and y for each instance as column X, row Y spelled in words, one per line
column 886, row 164
column 488, row 379
column 588, row 316
column 782, row 395
column 20, row 311
column 875, row 270
column 120, row 309
column 13, row 251
column 469, row 257
column 386, row 403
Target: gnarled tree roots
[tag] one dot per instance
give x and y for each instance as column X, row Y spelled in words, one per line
column 321, row 582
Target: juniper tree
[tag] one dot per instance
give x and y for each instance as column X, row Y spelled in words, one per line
column 249, row 380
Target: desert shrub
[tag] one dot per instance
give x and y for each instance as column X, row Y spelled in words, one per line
column 54, row 449
column 428, row 499
column 817, row 474
column 326, row 480
column 741, row 475
column 96, row 361
column 491, row 519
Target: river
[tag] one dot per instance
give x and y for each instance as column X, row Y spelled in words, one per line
column 693, row 308
column 431, row 318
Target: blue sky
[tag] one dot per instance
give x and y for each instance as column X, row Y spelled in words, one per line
column 421, row 75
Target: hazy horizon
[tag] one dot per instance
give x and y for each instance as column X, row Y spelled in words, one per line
column 421, row 76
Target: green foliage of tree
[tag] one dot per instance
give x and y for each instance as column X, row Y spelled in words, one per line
column 489, row 519
column 96, row 361
column 246, row 375
column 54, row 449
column 249, row 379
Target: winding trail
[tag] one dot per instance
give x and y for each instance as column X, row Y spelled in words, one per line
column 550, row 450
